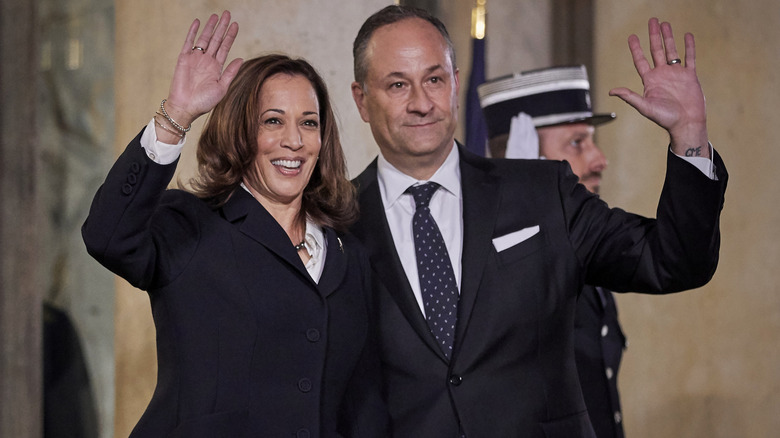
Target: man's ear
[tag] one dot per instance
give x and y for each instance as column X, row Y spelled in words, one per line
column 359, row 96
column 456, row 75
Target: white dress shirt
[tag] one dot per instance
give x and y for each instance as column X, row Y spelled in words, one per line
column 446, row 208
column 314, row 240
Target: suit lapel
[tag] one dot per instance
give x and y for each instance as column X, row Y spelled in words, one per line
column 480, row 209
column 335, row 264
column 254, row 221
column 374, row 232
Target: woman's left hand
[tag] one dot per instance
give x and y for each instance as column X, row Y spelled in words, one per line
column 199, row 81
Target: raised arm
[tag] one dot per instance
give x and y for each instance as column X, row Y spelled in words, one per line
column 672, row 96
column 199, row 81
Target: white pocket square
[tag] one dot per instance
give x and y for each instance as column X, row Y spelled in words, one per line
column 509, row 240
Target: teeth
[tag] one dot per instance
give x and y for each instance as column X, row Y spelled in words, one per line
column 292, row 164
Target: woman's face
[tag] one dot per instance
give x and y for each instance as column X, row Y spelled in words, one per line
column 288, row 141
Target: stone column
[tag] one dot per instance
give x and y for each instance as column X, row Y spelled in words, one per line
column 20, row 291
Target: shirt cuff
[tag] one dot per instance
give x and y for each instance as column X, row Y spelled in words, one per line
column 157, row 151
column 705, row 165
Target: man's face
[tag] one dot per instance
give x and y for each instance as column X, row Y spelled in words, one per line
column 574, row 143
column 410, row 96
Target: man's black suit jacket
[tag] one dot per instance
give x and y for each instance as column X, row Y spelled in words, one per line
column 248, row 344
column 512, row 372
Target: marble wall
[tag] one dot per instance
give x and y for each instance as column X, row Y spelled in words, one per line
column 20, row 285
column 76, row 123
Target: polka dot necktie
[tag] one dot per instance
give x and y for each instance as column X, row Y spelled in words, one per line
column 437, row 280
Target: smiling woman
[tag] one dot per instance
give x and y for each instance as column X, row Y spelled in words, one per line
column 251, row 321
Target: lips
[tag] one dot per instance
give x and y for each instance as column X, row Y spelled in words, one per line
column 421, row 123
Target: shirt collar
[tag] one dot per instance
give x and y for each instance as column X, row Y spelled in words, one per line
column 314, row 239
column 393, row 183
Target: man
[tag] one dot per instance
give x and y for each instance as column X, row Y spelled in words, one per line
column 547, row 113
column 515, row 239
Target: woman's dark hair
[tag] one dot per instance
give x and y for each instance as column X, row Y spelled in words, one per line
column 227, row 149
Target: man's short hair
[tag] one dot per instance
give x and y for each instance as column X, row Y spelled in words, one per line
column 389, row 15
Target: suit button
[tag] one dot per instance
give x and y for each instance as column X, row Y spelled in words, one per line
column 127, row 188
column 132, row 178
column 304, row 385
column 303, row 433
column 609, row 373
column 455, row 380
column 135, row 167
column 313, row 335
column 604, row 331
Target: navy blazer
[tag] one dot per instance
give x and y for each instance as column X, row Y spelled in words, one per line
column 247, row 343
column 512, row 371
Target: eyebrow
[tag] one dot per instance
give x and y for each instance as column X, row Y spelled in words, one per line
column 276, row 110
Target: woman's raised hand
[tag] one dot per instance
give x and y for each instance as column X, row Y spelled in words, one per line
column 199, row 81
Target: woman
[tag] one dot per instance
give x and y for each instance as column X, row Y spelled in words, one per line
column 261, row 308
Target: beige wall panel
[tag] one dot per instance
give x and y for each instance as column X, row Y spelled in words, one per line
column 518, row 36
column 705, row 363
column 149, row 35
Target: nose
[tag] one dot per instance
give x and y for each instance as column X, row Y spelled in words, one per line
column 419, row 101
column 292, row 138
column 597, row 161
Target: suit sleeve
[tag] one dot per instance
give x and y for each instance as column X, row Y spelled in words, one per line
column 127, row 229
column 676, row 251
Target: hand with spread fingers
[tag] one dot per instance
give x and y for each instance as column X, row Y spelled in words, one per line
column 199, row 81
column 672, row 96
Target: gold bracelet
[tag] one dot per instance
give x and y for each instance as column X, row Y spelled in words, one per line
column 173, row 122
column 178, row 134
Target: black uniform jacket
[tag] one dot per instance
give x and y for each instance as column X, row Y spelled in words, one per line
column 598, row 348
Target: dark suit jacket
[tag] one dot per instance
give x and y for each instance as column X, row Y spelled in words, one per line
column 598, row 349
column 247, row 343
column 512, row 372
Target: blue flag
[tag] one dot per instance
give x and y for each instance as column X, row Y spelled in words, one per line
column 476, row 130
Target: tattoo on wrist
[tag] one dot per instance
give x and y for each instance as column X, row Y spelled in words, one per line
column 693, row 152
